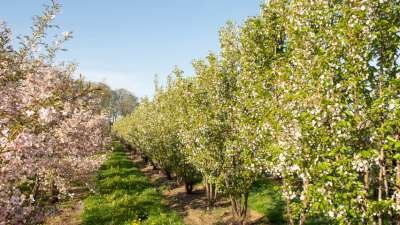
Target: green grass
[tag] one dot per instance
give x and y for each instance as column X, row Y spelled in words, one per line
column 266, row 198
column 124, row 195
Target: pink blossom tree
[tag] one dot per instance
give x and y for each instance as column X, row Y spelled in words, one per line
column 51, row 125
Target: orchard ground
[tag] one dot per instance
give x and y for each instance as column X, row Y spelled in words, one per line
column 129, row 191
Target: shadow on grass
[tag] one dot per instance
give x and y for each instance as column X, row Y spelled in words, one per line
column 124, row 195
column 266, row 198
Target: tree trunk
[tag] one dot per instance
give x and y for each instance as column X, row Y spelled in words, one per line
column 35, row 189
column 53, row 192
column 180, row 180
column 398, row 189
column 168, row 174
column 189, row 187
column 239, row 207
column 303, row 215
column 211, row 192
column 366, row 181
column 381, row 182
column 288, row 211
column 145, row 159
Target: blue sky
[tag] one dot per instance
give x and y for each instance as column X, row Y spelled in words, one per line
column 126, row 42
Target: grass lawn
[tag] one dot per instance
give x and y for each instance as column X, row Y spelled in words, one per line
column 266, row 198
column 125, row 196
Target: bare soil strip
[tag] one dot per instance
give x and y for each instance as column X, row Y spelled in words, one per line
column 192, row 207
column 68, row 214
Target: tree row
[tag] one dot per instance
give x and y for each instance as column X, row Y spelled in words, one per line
column 306, row 92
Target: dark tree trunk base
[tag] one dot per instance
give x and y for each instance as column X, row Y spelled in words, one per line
column 168, row 174
column 189, row 188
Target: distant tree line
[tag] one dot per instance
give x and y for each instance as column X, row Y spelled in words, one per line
column 117, row 103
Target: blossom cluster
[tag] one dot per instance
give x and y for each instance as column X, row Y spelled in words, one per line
column 51, row 127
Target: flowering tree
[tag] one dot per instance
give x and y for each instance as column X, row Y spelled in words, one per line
column 332, row 54
column 154, row 130
column 259, row 107
column 51, row 126
column 202, row 132
column 306, row 92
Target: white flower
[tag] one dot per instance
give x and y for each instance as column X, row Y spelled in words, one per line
column 359, row 199
column 4, row 132
column 294, row 168
column 292, row 196
column 45, row 114
column 29, row 113
column 391, row 106
column 362, row 8
column 31, row 198
column 331, row 214
column 3, row 142
column 67, row 34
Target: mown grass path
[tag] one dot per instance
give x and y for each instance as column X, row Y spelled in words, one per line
column 124, row 196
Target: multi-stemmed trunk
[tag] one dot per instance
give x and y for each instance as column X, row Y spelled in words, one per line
column 239, row 207
column 211, row 192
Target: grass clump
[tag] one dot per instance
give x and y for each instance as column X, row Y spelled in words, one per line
column 124, row 196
